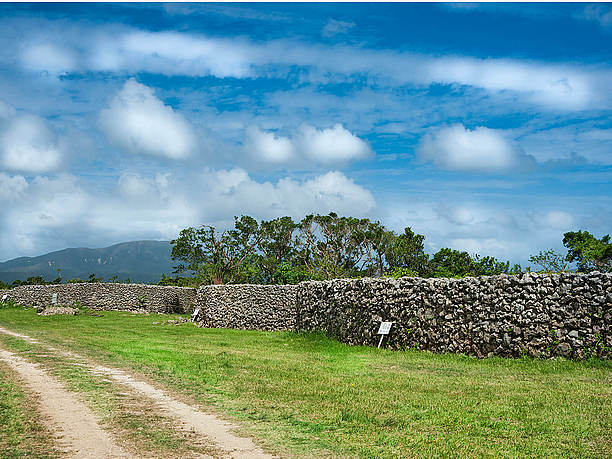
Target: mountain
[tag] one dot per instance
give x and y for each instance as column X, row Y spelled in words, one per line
column 140, row 261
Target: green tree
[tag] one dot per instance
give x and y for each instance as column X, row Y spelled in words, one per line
column 550, row 261
column 331, row 246
column 491, row 266
column 92, row 279
column 215, row 257
column 407, row 251
column 451, row 263
column 278, row 249
column 588, row 252
column 374, row 241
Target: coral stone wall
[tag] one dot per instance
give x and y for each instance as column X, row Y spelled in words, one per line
column 539, row 315
column 530, row 314
column 253, row 307
column 149, row 298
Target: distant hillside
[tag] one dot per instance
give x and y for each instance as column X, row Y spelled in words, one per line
column 140, row 261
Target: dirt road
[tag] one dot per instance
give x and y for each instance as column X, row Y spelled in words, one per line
column 79, row 430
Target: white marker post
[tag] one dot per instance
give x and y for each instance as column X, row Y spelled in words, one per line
column 4, row 297
column 54, row 299
column 384, row 329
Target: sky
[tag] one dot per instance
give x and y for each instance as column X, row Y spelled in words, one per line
column 485, row 127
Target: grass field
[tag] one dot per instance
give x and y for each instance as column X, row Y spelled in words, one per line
column 22, row 432
column 304, row 394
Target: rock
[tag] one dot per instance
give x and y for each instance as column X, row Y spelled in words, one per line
column 58, row 310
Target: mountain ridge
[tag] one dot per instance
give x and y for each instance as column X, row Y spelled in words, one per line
column 140, row 261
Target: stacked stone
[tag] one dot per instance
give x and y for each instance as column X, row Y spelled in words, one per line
column 102, row 296
column 530, row 314
column 246, row 307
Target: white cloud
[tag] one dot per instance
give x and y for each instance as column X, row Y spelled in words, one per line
column 12, row 187
column 600, row 13
column 128, row 51
column 269, row 147
column 554, row 219
column 233, row 192
column 490, row 227
column 49, row 57
column 56, row 212
column 28, row 144
column 172, row 53
column 331, row 146
column 138, row 122
column 477, row 150
column 576, row 140
column 335, row 27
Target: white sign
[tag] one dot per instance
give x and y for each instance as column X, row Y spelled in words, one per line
column 383, row 330
column 54, row 298
column 194, row 316
column 385, row 327
column 4, row 297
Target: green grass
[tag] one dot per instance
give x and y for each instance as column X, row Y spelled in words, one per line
column 22, row 433
column 304, row 394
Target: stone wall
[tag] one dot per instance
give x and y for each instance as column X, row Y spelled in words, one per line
column 141, row 297
column 537, row 315
column 530, row 314
column 253, row 307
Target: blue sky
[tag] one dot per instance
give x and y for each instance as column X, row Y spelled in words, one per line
column 486, row 127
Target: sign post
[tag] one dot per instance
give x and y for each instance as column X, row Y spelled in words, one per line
column 384, row 329
column 54, row 299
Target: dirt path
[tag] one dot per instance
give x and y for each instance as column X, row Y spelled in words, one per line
column 77, row 428
column 216, row 430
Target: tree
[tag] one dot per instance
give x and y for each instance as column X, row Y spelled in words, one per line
column 550, row 261
column 278, row 249
column 407, row 251
column 215, row 257
column 491, row 266
column 452, row 263
column 589, row 252
column 92, row 279
column 375, row 241
column 331, row 246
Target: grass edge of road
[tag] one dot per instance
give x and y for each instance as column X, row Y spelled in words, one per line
column 23, row 430
column 129, row 417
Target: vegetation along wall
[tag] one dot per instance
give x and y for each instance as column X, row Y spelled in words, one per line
column 247, row 306
column 538, row 315
column 149, row 298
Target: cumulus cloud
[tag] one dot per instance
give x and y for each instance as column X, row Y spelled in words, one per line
column 50, row 58
column 335, row 145
column 234, row 192
column 138, row 122
column 493, row 227
column 27, row 143
column 12, row 187
column 477, row 150
column 269, row 147
column 55, row 212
